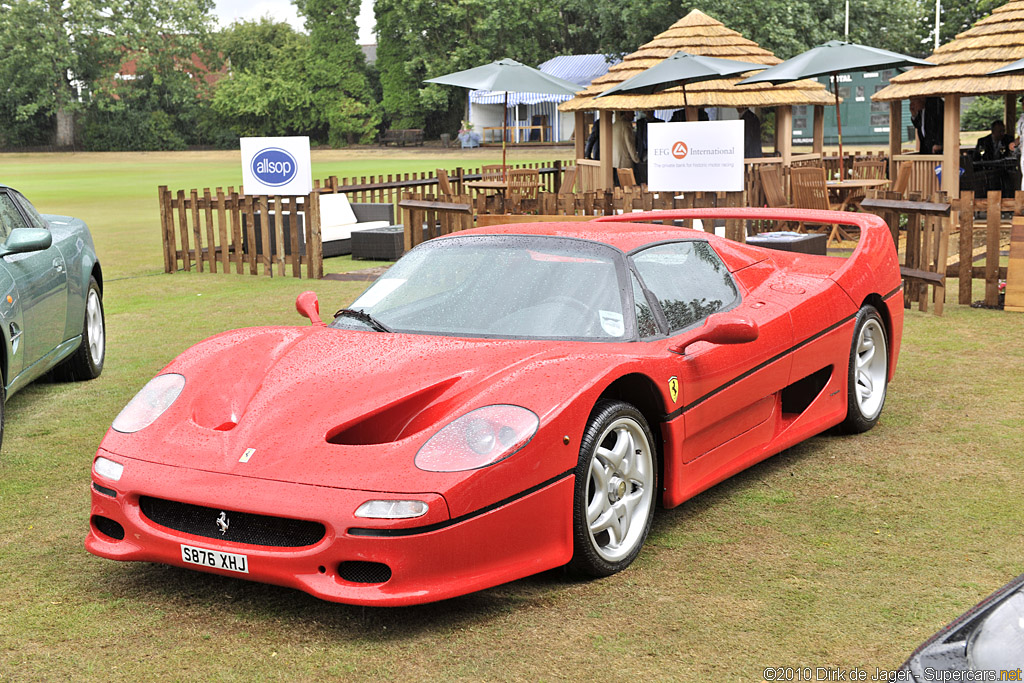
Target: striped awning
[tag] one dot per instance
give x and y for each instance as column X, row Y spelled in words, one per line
column 581, row 69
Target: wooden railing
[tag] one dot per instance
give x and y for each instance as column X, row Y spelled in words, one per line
column 996, row 231
column 923, row 179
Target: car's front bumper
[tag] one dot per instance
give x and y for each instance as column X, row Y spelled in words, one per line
column 441, row 559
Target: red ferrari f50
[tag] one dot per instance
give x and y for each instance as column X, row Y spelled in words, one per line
column 500, row 402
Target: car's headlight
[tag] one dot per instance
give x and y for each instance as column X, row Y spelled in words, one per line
column 108, row 469
column 154, row 398
column 477, row 439
column 392, row 509
column 998, row 644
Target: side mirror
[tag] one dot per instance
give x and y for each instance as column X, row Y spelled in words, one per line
column 308, row 306
column 23, row 240
column 721, row 329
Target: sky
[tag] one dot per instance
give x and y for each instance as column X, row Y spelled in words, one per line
column 283, row 10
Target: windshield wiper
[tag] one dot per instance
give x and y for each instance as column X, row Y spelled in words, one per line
column 364, row 317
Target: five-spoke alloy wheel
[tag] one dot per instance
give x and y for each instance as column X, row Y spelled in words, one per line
column 868, row 372
column 616, row 483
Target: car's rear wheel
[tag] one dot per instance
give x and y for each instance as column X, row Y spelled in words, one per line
column 616, row 483
column 868, row 372
column 87, row 361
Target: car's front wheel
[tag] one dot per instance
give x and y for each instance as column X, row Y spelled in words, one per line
column 868, row 372
column 87, row 361
column 616, row 484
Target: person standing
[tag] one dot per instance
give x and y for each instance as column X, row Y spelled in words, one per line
column 926, row 113
column 641, row 145
column 623, row 143
column 1020, row 136
column 751, row 133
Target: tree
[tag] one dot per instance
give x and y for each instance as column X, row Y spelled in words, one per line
column 60, row 54
column 337, row 71
column 267, row 91
column 418, row 39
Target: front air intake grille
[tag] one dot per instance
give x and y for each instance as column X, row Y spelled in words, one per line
column 230, row 526
column 364, row 572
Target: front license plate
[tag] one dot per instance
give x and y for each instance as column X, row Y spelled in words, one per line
column 215, row 558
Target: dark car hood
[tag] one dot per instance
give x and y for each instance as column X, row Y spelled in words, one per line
column 329, row 407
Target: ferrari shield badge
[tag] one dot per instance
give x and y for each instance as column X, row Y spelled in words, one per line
column 673, row 388
column 249, row 452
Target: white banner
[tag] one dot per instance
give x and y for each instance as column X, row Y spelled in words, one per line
column 703, row 156
column 276, row 166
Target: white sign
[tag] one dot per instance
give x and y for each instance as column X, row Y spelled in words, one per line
column 276, row 166
column 703, row 156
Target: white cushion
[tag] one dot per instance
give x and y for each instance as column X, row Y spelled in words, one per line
column 329, row 233
column 370, row 225
column 335, row 210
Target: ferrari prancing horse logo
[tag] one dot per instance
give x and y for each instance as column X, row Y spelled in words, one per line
column 673, row 388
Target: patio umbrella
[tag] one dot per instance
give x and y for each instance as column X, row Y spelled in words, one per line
column 1011, row 68
column 831, row 59
column 507, row 75
column 678, row 70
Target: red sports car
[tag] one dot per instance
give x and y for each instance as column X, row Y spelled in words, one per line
column 500, row 402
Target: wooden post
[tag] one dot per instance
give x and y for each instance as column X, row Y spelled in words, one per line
column 211, row 246
column 1010, row 113
column 605, row 179
column 895, row 136
column 222, row 228
column 819, row 129
column 951, row 147
column 784, row 133
column 197, row 232
column 167, row 229
column 992, row 248
column 314, row 244
column 234, row 203
column 579, row 134
column 966, row 267
column 183, row 230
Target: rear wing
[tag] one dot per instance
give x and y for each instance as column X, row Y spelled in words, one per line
column 873, row 257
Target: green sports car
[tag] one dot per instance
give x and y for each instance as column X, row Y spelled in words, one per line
column 51, row 298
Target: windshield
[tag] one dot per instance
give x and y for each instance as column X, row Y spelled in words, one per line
column 515, row 286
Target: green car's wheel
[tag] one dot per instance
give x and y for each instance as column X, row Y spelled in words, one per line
column 87, row 361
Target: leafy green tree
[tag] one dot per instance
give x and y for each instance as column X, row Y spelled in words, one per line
column 982, row 112
column 62, row 57
column 267, row 91
column 336, row 71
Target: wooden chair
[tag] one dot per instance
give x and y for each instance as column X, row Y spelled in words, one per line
column 443, row 186
column 870, row 170
column 810, row 192
column 523, row 182
column 903, row 177
column 568, row 181
column 627, row 179
column 771, row 185
column 492, row 172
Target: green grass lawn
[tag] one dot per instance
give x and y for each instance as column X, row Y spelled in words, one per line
column 840, row 552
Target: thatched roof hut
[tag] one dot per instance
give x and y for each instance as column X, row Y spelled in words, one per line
column 698, row 34
column 962, row 63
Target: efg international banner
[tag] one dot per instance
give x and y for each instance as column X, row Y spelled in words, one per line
column 703, row 156
column 276, row 166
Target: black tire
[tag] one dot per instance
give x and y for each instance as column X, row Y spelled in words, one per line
column 868, row 372
column 87, row 361
column 630, row 489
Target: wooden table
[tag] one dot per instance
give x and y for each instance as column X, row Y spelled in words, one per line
column 849, row 192
column 485, row 185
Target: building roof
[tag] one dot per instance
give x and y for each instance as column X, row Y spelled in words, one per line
column 698, row 34
column 579, row 69
column 961, row 64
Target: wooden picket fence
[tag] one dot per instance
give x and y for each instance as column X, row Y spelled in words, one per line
column 215, row 230
column 996, row 230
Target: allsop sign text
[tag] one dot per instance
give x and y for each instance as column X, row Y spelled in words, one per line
column 276, row 166
column 705, row 156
